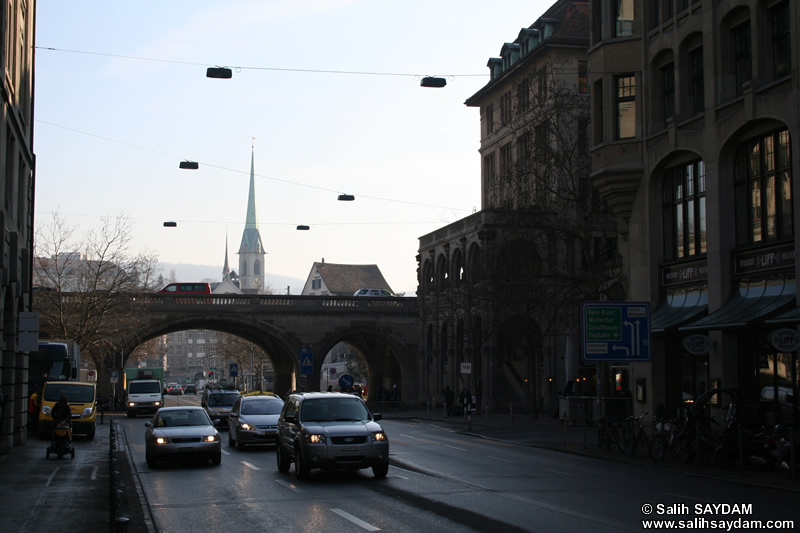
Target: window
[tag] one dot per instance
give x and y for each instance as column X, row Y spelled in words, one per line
column 625, row 106
column 505, row 108
column 489, row 119
column 623, row 17
column 764, row 189
column 316, row 283
column 489, row 174
column 668, row 90
column 505, row 161
column 685, row 211
column 598, row 112
column 523, row 97
column 583, row 77
column 696, row 81
column 742, row 51
column 542, row 82
column 781, row 41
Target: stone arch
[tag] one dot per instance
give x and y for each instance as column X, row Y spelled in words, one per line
column 442, row 273
column 474, row 270
column 457, row 269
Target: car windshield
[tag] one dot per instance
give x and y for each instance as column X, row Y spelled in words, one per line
column 333, row 409
column 194, row 417
column 146, row 387
column 222, row 400
column 75, row 393
column 262, row 407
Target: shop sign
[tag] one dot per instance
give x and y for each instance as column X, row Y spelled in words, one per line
column 697, row 344
column 693, row 272
column 765, row 259
column 785, row 339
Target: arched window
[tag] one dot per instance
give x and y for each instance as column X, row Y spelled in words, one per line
column 257, row 268
column 763, row 175
column 685, row 211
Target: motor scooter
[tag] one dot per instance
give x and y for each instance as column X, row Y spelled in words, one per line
column 61, row 442
column 756, row 450
column 788, row 437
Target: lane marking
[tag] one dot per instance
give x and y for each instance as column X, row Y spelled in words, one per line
column 499, row 459
column 357, row 521
column 408, row 436
column 53, row 475
column 94, row 474
column 557, row 472
column 249, row 465
column 290, row 486
column 225, row 451
column 456, row 448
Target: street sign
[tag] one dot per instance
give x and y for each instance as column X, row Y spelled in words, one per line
column 616, row 331
column 234, row 370
column 114, row 376
column 306, row 360
column 346, row 381
column 466, row 368
column 91, row 375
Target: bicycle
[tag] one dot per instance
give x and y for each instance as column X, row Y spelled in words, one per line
column 608, row 433
column 633, row 435
column 667, row 439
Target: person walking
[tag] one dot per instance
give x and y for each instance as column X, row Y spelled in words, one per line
column 62, row 412
column 448, row 397
column 34, row 406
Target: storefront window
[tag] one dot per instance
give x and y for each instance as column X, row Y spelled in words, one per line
column 777, row 385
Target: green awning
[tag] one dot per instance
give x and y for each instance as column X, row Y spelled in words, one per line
column 790, row 317
column 678, row 307
column 755, row 299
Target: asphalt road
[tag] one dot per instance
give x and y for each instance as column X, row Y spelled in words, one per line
column 439, row 481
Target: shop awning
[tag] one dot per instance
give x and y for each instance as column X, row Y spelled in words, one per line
column 790, row 317
column 755, row 299
column 678, row 307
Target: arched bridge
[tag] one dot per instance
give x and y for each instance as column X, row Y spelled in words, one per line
column 384, row 330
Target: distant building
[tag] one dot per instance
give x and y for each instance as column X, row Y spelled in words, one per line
column 328, row 279
column 251, row 252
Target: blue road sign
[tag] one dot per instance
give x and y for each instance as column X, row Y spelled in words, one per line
column 346, row 381
column 616, row 331
column 234, row 370
column 306, row 360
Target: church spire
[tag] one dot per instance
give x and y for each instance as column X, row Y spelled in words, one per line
column 251, row 251
column 226, row 270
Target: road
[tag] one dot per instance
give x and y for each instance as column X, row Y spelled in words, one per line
column 439, row 481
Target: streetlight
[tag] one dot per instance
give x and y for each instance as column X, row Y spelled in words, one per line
column 189, row 165
column 432, row 81
column 222, row 73
column 170, row 224
column 346, row 197
column 303, row 227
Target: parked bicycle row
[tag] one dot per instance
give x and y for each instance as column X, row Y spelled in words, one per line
column 710, row 436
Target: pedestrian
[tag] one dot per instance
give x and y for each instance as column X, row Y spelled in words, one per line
column 62, row 412
column 34, row 406
column 448, row 398
column 466, row 400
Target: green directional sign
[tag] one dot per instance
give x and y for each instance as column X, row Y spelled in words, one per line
column 616, row 331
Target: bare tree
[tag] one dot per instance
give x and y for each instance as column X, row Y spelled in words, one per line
column 85, row 285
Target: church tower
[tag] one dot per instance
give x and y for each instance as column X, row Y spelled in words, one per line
column 251, row 252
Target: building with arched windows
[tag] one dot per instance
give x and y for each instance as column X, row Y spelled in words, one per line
column 499, row 291
column 694, row 133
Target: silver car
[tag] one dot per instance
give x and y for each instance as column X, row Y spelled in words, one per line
column 181, row 433
column 254, row 420
column 330, row 430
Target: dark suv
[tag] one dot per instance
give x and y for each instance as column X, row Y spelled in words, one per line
column 330, row 430
column 217, row 402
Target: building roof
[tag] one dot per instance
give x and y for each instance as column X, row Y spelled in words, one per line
column 344, row 280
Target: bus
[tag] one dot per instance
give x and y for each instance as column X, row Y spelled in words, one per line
column 50, row 362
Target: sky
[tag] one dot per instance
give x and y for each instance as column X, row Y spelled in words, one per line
column 325, row 95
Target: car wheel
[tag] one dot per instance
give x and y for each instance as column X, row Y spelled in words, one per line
column 231, row 441
column 72, row 453
column 301, row 469
column 90, row 436
column 380, row 471
column 239, row 445
column 47, row 456
column 282, row 458
column 216, row 460
column 129, row 414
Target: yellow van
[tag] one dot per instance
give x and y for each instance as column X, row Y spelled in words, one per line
column 82, row 398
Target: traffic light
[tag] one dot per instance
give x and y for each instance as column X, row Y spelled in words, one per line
column 210, row 374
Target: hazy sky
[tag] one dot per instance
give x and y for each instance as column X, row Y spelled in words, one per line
column 112, row 129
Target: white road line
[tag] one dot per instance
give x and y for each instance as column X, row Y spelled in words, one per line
column 250, row 466
column 290, row 486
column 557, row 472
column 459, row 449
column 94, row 474
column 225, row 452
column 53, row 475
column 357, row 521
column 499, row 459
column 408, row 436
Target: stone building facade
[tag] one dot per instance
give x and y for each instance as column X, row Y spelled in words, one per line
column 17, row 165
column 694, row 128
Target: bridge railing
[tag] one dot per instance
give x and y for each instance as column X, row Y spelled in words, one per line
column 306, row 303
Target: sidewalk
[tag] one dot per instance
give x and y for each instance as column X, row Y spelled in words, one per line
column 549, row 433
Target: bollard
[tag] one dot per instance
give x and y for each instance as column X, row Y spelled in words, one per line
column 511, row 413
column 583, row 419
column 486, row 412
column 792, row 457
column 122, row 524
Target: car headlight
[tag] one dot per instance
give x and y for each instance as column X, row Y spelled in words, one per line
column 315, row 438
column 155, row 403
column 131, row 404
column 379, row 436
column 87, row 412
column 161, row 440
column 245, row 426
column 209, row 438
